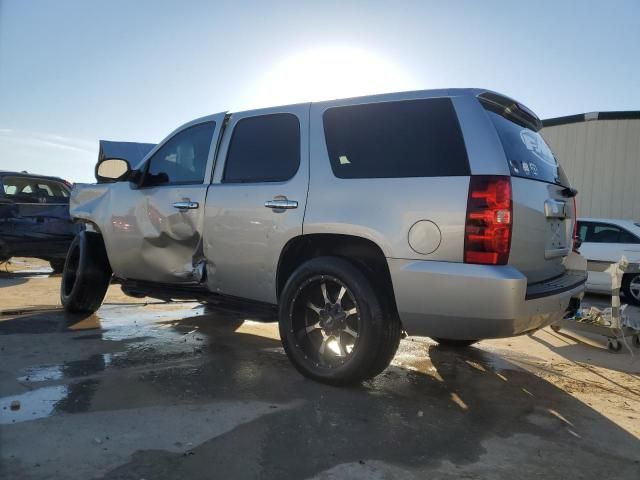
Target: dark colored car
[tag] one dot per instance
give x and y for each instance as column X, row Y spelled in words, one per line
column 34, row 218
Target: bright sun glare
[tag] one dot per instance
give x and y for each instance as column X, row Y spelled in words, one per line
column 331, row 72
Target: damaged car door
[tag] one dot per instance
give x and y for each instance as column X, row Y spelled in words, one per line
column 156, row 221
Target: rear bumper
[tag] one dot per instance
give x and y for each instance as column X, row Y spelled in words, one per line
column 462, row 301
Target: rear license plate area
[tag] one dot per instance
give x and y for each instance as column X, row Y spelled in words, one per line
column 558, row 240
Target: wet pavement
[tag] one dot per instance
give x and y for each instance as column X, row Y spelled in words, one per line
column 181, row 390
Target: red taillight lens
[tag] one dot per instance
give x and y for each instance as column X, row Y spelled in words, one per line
column 487, row 236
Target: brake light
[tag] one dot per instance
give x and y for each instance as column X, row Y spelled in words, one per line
column 487, row 234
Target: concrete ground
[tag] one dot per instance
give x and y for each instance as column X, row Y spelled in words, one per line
column 161, row 391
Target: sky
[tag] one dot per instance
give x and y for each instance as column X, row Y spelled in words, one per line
column 74, row 72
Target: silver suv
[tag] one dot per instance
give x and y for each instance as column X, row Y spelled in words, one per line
column 440, row 213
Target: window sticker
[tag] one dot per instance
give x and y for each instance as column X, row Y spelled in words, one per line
column 537, row 146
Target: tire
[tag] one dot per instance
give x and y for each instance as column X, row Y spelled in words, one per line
column 631, row 283
column 451, row 343
column 614, row 345
column 345, row 358
column 86, row 274
column 57, row 264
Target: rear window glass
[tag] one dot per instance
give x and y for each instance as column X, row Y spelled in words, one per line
column 528, row 154
column 28, row 189
column 415, row 138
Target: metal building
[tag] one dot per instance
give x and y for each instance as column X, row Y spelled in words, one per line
column 600, row 152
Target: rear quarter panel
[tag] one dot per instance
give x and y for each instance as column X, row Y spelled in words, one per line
column 383, row 210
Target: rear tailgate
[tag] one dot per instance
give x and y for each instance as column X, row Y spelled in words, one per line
column 543, row 207
column 542, row 232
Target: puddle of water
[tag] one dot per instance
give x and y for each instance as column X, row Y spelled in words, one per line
column 35, row 404
column 73, row 369
column 92, row 365
column 42, row 373
column 122, row 323
column 46, row 401
column 90, row 336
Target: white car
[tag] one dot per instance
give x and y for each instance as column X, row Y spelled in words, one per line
column 604, row 241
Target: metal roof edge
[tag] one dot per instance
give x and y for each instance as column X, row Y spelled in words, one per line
column 585, row 117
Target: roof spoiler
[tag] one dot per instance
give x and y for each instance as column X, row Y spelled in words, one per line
column 510, row 109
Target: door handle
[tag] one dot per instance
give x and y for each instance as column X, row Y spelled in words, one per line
column 185, row 205
column 281, row 204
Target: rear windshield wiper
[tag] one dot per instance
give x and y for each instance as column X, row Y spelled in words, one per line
column 569, row 192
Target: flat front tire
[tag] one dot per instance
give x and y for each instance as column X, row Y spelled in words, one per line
column 86, row 275
column 332, row 323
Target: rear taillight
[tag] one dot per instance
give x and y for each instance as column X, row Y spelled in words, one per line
column 487, row 235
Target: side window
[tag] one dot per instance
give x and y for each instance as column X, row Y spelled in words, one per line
column 412, row 138
column 604, row 233
column 263, row 149
column 51, row 189
column 44, row 190
column 183, row 159
column 582, row 231
column 628, row 237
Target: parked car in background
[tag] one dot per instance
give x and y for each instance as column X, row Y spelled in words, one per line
column 604, row 242
column 34, row 218
column 442, row 213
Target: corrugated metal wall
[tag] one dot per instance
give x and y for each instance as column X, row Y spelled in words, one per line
column 602, row 160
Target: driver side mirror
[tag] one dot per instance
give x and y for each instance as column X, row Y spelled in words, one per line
column 112, row 170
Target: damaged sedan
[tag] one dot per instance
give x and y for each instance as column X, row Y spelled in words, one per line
column 34, row 218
